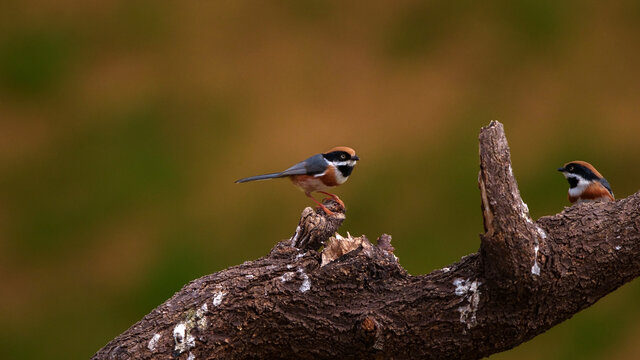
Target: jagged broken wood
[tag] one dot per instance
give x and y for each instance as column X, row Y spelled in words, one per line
column 355, row 301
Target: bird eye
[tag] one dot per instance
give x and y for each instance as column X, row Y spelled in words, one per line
column 570, row 167
column 343, row 156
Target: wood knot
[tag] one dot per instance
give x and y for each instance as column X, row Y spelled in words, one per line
column 369, row 325
column 371, row 333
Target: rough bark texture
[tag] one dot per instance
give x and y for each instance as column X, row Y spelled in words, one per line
column 527, row 277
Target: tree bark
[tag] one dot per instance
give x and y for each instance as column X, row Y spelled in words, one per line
column 354, row 300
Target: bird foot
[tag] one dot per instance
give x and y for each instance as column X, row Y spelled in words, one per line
column 326, row 210
column 334, row 202
column 333, row 197
column 331, row 207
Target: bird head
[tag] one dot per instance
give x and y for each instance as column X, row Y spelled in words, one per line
column 343, row 158
column 579, row 173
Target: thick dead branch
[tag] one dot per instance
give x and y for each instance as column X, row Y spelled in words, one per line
column 355, row 301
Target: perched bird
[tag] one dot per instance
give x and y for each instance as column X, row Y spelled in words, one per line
column 318, row 173
column 586, row 183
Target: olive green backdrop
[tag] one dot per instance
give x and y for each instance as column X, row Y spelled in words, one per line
column 123, row 125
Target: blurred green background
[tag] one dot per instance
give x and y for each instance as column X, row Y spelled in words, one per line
column 123, row 125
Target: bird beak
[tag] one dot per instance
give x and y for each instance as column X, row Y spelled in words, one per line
column 355, row 157
column 562, row 169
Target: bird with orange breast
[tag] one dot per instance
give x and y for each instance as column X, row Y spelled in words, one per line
column 586, row 183
column 318, row 173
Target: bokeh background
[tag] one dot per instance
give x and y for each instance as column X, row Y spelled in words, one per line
column 123, row 125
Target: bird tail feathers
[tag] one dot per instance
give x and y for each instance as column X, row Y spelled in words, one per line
column 261, row 177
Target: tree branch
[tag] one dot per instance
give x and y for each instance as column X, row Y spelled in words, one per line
column 354, row 300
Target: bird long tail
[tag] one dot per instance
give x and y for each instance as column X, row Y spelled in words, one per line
column 261, row 177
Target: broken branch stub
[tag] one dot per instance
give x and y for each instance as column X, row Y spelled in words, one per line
column 512, row 241
column 315, row 226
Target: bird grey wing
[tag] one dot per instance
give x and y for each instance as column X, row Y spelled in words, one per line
column 311, row 166
column 604, row 182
